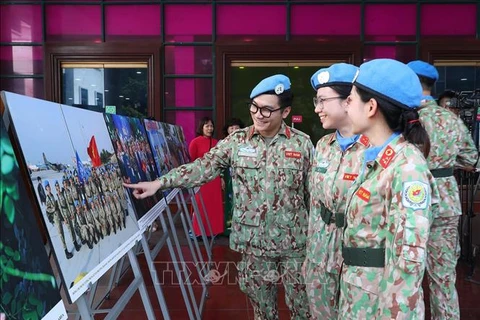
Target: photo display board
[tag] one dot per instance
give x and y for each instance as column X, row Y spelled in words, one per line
column 158, row 143
column 179, row 140
column 27, row 283
column 74, row 172
column 135, row 159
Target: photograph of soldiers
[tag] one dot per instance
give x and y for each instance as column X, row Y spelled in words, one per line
column 181, row 143
column 73, row 222
column 175, row 157
column 135, row 159
column 29, row 277
column 161, row 153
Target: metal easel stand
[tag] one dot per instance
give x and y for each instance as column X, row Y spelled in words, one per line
column 182, row 201
column 208, row 244
column 137, row 284
column 179, row 264
column 202, row 267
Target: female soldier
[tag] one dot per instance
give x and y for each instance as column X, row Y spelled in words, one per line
column 389, row 205
column 335, row 167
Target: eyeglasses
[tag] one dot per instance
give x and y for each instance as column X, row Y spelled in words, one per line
column 264, row 111
column 318, row 102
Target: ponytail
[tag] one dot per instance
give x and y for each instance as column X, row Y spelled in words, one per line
column 413, row 130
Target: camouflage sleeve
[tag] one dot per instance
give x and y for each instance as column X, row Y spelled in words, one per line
column 468, row 154
column 200, row 171
column 408, row 218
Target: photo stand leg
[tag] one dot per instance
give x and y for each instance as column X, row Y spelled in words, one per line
column 197, row 212
column 196, row 307
column 87, row 313
column 201, row 267
column 155, row 279
column 188, row 225
column 137, row 283
column 178, row 272
column 118, row 272
column 207, row 219
column 83, row 308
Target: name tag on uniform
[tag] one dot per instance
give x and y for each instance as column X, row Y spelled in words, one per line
column 247, row 152
column 322, row 166
column 350, row 176
column 363, row 194
column 293, row 154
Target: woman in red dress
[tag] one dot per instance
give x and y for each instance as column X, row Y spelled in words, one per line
column 211, row 192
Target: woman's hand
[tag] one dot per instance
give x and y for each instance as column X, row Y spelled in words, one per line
column 144, row 189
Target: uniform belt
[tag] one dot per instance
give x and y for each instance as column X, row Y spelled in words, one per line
column 328, row 216
column 442, row 173
column 364, row 257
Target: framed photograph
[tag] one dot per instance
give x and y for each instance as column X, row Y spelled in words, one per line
column 182, row 144
column 76, row 178
column 176, row 156
column 28, row 285
column 135, row 158
column 158, row 142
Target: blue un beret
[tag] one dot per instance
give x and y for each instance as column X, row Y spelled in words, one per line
column 424, row 69
column 336, row 74
column 391, row 80
column 46, row 183
column 276, row 84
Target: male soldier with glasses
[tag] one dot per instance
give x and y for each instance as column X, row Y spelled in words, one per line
column 270, row 166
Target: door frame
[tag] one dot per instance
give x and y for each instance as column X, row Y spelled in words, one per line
column 149, row 52
column 226, row 52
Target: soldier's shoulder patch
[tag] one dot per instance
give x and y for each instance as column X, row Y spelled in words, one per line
column 415, row 195
column 300, row 133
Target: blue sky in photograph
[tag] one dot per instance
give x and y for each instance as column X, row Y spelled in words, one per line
column 41, row 127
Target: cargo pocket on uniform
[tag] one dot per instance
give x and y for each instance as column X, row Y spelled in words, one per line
column 250, row 218
column 360, row 284
column 290, row 174
column 413, row 251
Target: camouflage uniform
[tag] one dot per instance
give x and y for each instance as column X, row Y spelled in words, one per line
column 451, row 145
column 333, row 173
column 66, row 215
column 388, row 217
column 55, row 217
column 269, row 225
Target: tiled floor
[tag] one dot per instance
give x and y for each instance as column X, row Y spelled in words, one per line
column 226, row 301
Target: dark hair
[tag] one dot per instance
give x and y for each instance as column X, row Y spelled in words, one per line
column 285, row 99
column 447, row 94
column 233, row 122
column 427, row 83
column 401, row 119
column 201, row 123
column 343, row 90
column 39, row 179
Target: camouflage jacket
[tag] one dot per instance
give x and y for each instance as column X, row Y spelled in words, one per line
column 270, row 185
column 451, row 145
column 389, row 206
column 333, row 173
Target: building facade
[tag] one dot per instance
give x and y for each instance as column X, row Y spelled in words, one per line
column 190, row 51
